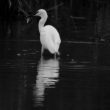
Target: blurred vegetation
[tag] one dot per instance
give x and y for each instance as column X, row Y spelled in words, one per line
column 75, row 19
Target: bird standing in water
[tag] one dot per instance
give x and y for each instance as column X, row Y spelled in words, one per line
column 49, row 36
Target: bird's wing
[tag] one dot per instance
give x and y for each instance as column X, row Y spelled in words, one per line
column 57, row 39
column 55, row 36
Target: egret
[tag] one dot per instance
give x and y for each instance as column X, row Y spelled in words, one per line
column 49, row 36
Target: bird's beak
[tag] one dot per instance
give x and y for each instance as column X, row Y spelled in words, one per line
column 37, row 14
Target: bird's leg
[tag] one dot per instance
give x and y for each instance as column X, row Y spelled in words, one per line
column 42, row 50
column 55, row 55
column 58, row 53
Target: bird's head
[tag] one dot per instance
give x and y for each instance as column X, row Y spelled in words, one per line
column 41, row 13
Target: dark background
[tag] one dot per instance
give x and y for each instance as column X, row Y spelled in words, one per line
column 79, row 79
column 75, row 19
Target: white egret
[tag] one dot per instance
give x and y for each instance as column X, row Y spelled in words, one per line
column 49, row 36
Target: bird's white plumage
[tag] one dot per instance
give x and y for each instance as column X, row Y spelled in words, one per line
column 49, row 36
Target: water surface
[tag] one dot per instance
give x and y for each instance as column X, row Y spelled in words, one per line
column 77, row 80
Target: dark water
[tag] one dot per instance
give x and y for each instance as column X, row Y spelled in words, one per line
column 78, row 80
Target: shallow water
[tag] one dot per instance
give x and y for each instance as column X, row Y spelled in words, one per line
column 77, row 80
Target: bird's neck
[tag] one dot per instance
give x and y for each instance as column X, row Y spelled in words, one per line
column 42, row 22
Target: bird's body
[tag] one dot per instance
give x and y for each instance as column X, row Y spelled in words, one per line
column 50, row 39
column 49, row 36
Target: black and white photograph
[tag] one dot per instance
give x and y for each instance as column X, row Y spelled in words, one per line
column 54, row 54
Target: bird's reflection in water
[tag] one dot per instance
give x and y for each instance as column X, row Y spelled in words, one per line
column 48, row 73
